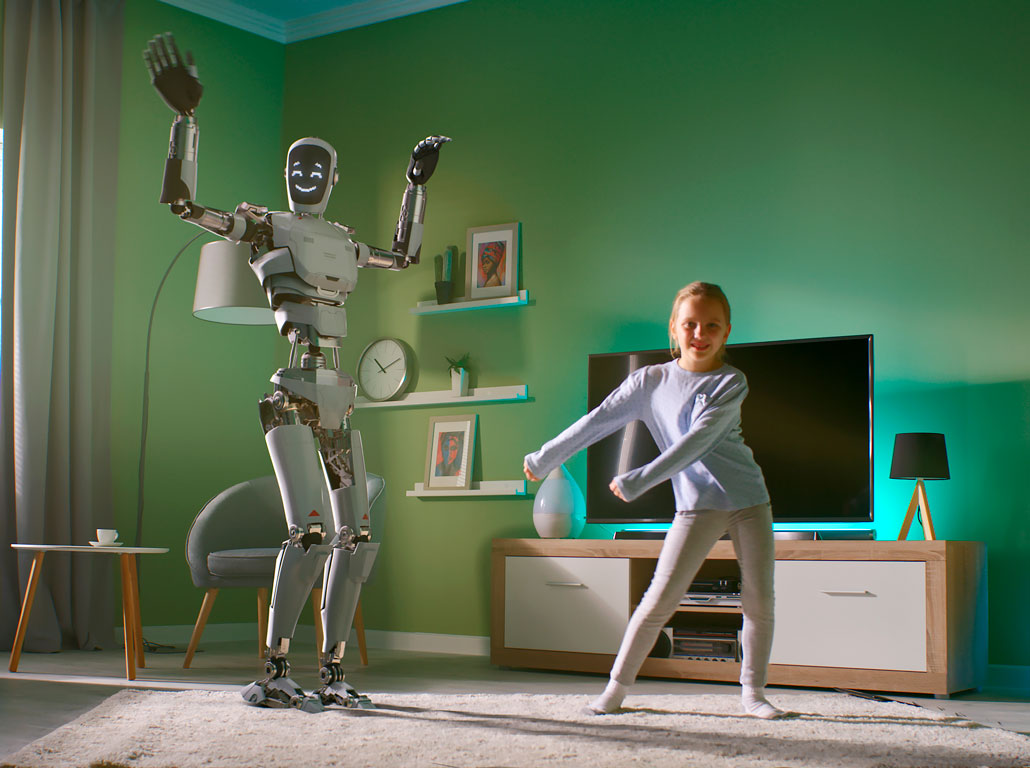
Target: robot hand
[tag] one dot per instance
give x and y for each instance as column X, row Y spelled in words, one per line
column 175, row 80
column 424, row 158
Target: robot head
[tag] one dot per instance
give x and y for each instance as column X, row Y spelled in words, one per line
column 310, row 175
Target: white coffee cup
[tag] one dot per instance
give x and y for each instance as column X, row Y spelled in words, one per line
column 107, row 536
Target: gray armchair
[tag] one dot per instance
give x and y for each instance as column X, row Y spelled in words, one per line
column 234, row 542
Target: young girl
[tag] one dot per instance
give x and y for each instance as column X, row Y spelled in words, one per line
column 691, row 405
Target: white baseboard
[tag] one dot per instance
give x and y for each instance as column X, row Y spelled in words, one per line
column 426, row 642
column 464, row 645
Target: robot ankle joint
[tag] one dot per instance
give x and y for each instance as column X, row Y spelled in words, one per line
column 277, row 667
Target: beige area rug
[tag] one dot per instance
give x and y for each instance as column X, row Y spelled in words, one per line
column 191, row 729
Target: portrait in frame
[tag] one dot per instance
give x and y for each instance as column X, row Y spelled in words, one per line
column 450, row 452
column 492, row 262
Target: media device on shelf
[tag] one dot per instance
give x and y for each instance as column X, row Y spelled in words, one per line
column 808, row 418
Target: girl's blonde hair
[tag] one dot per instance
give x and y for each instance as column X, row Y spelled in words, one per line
column 704, row 290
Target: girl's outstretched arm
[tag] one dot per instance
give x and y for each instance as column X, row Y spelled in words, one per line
column 719, row 417
column 623, row 405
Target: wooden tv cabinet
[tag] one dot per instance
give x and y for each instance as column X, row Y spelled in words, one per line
column 899, row 616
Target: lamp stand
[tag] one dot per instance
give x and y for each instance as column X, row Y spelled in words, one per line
column 920, row 501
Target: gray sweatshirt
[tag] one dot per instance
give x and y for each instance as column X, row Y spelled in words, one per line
column 694, row 419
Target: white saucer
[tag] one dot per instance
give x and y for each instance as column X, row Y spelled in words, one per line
column 112, row 544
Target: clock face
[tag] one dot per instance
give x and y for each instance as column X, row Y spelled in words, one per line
column 384, row 369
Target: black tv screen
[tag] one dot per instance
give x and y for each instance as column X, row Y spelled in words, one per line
column 808, row 418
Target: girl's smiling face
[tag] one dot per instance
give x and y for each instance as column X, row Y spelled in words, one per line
column 700, row 329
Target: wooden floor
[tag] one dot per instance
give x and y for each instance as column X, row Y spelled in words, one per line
column 52, row 689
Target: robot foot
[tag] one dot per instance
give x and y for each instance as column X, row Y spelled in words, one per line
column 337, row 691
column 344, row 695
column 279, row 691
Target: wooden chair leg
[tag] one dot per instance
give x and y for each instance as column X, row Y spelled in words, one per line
column 359, row 627
column 262, row 608
column 198, row 628
column 316, row 606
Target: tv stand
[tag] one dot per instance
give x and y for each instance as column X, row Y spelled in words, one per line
column 901, row 616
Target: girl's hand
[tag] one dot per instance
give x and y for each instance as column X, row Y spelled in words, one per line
column 529, row 475
column 615, row 489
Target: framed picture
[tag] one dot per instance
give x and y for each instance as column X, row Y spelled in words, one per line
column 492, row 262
column 449, row 456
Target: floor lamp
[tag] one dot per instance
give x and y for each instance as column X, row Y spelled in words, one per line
column 919, row 456
column 227, row 289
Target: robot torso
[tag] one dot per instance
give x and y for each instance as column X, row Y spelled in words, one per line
column 307, row 275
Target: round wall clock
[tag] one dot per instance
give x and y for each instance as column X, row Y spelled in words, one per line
column 385, row 369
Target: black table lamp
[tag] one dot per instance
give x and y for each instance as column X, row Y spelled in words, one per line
column 919, row 456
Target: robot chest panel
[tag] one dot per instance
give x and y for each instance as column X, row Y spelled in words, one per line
column 323, row 255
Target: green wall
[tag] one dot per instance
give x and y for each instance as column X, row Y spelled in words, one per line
column 205, row 379
column 838, row 168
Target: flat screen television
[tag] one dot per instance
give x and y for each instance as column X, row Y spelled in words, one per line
column 808, row 418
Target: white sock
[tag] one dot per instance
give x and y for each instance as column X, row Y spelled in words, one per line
column 755, row 704
column 609, row 701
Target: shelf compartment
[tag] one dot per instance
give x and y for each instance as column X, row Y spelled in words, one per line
column 512, row 393
column 710, row 609
column 432, row 308
column 482, row 488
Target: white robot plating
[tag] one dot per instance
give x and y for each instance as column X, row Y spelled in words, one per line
column 307, row 267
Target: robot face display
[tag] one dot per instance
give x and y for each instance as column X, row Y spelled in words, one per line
column 310, row 175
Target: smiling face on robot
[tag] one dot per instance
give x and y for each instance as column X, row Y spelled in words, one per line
column 310, row 175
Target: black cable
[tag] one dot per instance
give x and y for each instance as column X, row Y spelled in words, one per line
column 146, row 395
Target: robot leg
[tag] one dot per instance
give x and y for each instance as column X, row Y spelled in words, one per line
column 345, row 572
column 347, row 569
column 296, row 571
column 301, row 559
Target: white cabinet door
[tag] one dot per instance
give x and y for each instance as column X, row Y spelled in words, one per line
column 863, row 615
column 566, row 603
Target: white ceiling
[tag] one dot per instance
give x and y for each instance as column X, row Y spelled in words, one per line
column 287, row 21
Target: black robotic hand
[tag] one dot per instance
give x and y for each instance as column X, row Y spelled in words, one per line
column 175, row 79
column 424, row 158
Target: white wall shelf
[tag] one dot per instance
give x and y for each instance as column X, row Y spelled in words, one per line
column 482, row 488
column 511, row 393
column 432, row 308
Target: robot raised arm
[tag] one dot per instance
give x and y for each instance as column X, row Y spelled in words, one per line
column 175, row 79
column 407, row 239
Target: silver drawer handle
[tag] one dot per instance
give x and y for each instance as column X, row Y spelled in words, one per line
column 848, row 593
column 566, row 584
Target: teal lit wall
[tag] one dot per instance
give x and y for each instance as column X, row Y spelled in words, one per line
column 838, row 168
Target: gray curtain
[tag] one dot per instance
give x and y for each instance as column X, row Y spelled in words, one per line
column 61, row 95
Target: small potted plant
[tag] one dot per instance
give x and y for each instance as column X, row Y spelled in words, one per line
column 459, row 375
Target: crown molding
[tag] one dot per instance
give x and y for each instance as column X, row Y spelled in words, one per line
column 359, row 13
column 235, row 15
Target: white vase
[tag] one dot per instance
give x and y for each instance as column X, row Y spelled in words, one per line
column 559, row 510
column 459, row 382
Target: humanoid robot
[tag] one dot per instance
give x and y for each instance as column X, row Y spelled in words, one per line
column 307, row 267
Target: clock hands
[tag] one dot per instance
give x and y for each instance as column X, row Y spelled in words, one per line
column 382, row 369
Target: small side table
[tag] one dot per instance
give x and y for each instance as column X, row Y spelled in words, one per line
column 130, row 597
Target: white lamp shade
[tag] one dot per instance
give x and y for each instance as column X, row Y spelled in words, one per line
column 227, row 290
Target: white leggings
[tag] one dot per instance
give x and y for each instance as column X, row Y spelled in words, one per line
column 686, row 545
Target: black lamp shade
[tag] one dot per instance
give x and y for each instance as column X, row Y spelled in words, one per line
column 920, row 455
